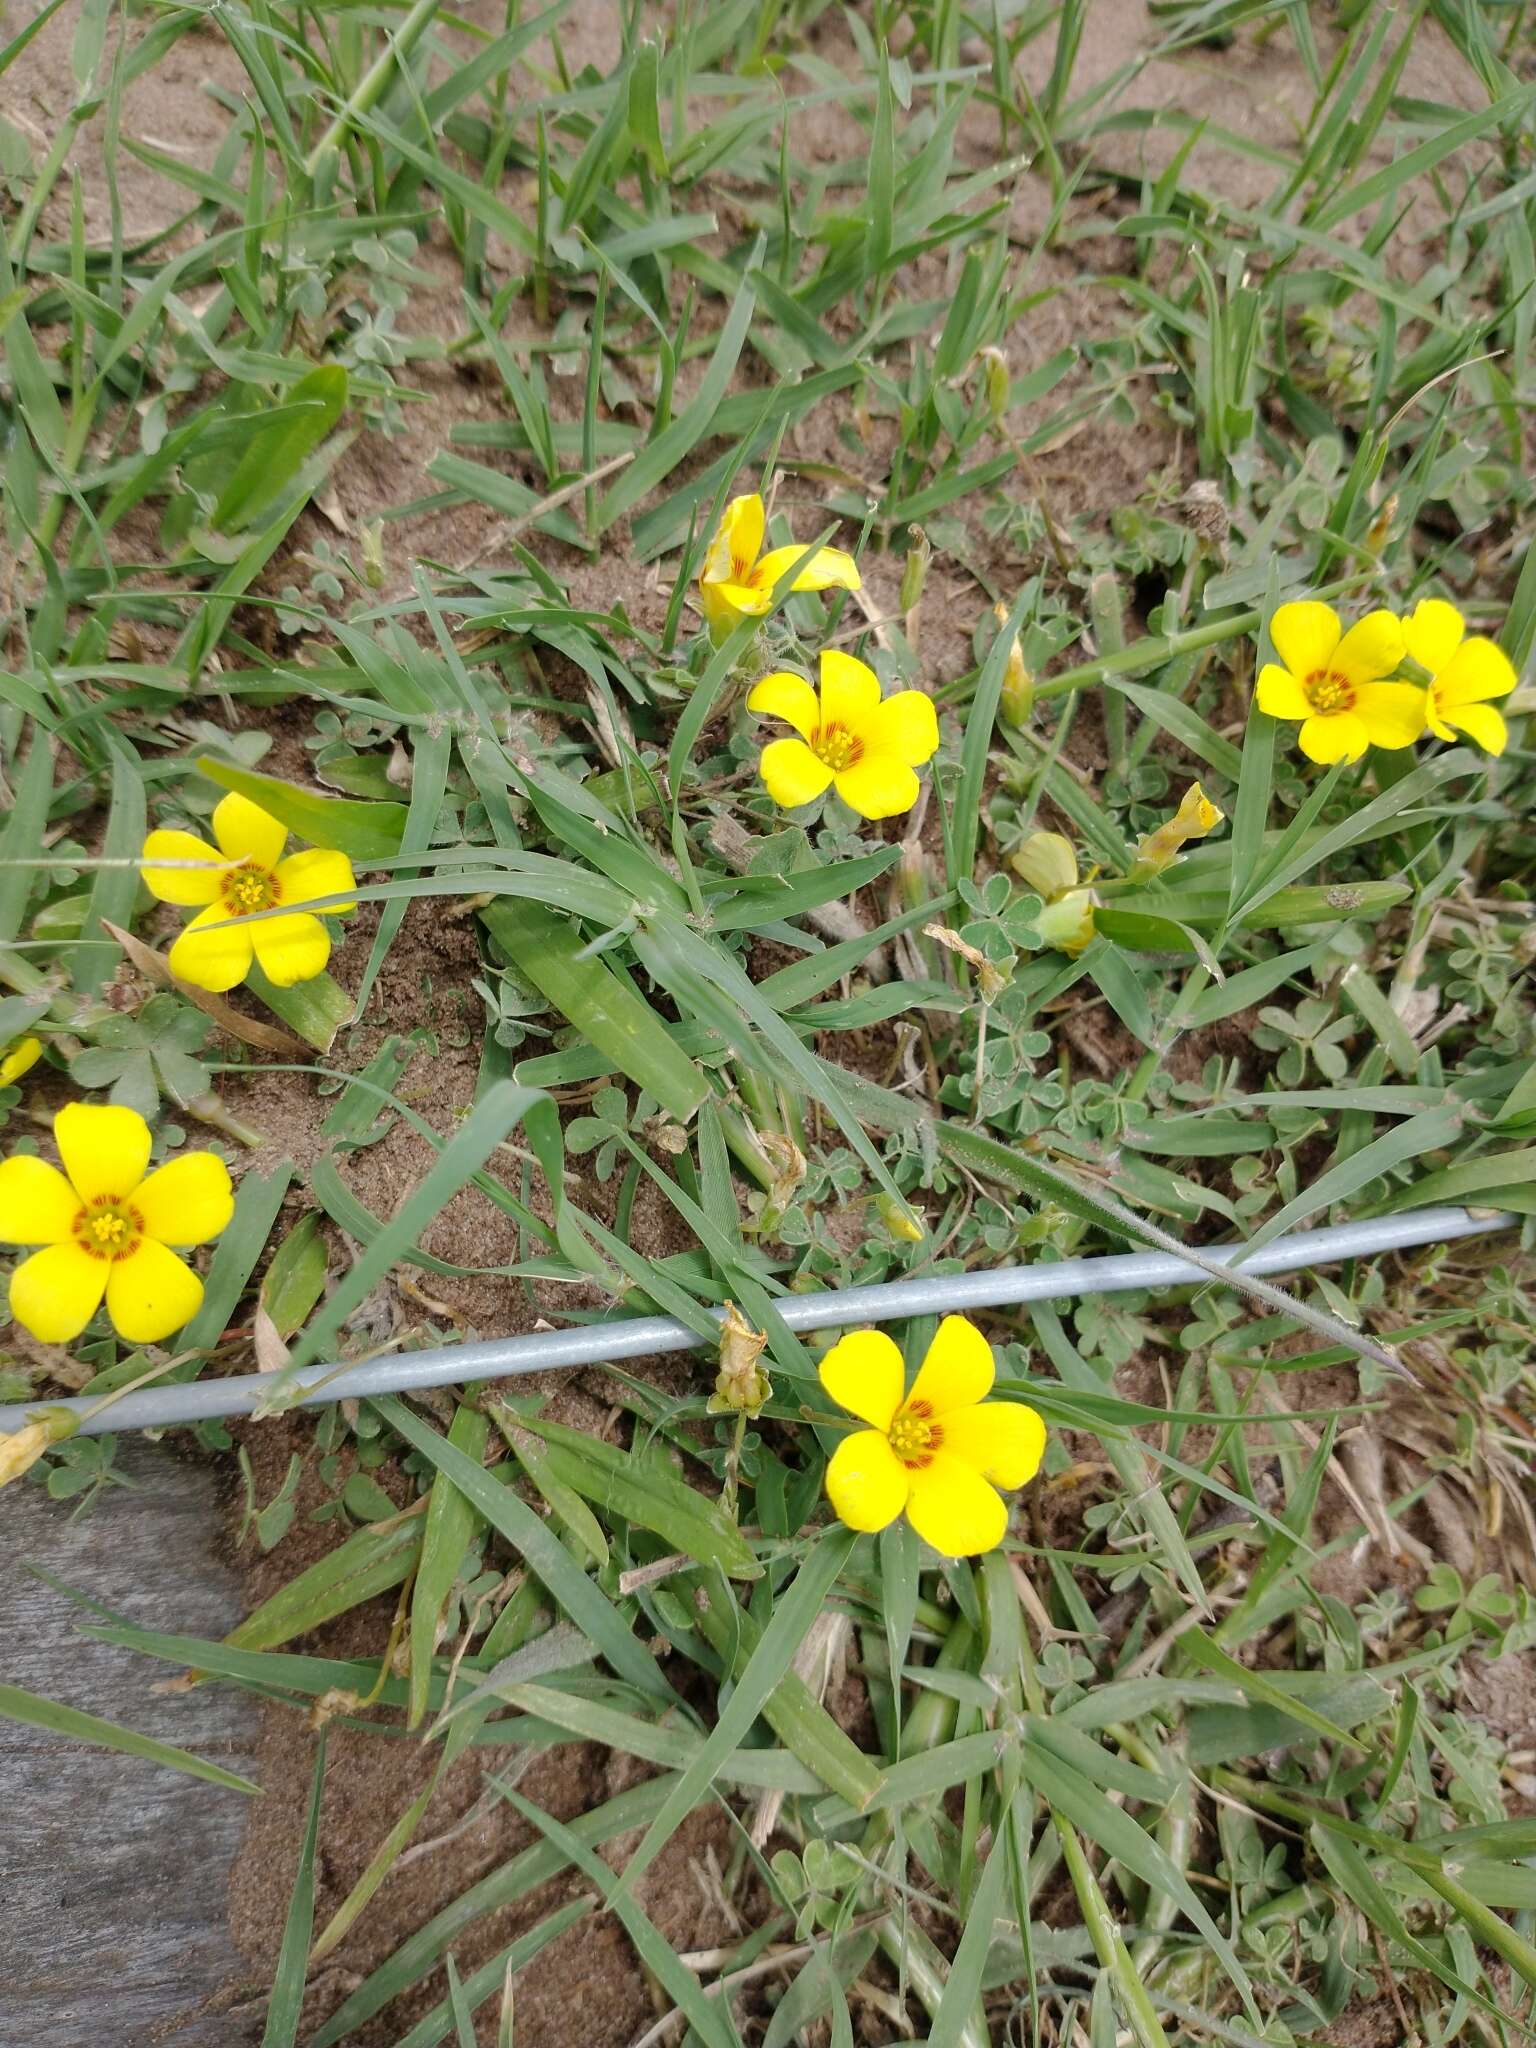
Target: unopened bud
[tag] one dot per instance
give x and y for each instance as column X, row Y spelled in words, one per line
column 913, row 878
column 1067, row 924
column 899, row 1220
column 915, row 572
column 1018, row 698
column 999, row 384
column 375, row 572
column 1195, row 817
column 1047, row 864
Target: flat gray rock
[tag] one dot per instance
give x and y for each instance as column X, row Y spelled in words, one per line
column 114, row 1872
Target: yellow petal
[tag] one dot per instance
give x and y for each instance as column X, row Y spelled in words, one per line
column 55, row 1293
column 879, row 786
column 291, row 949
column 850, row 692
column 306, row 877
column 246, row 832
column 19, row 1057
column 792, row 774
column 1432, row 632
column 180, row 884
column 862, row 1373
column 1196, row 814
column 866, row 1481
column 1372, row 647
column 740, row 537
column 105, row 1149
column 1305, row 635
column 1477, row 671
column 907, row 726
column 1480, row 722
column 720, row 615
column 828, row 569
column 212, row 958
column 1280, row 695
column 1046, row 863
column 952, row 1507
column 741, row 599
column 1392, row 713
column 789, row 697
column 37, row 1204
column 188, row 1200
column 1004, row 1440
column 151, row 1293
column 1339, row 737
column 957, row 1371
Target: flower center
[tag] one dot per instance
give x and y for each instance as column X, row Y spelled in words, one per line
column 915, row 1436
column 249, row 888
column 108, row 1228
column 1328, row 691
column 837, row 747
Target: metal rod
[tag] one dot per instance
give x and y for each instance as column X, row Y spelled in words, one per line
column 644, row 1336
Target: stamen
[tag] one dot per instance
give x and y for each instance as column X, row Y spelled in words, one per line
column 836, row 747
column 1328, row 692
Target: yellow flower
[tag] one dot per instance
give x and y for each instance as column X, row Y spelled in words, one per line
column 106, row 1228
column 20, row 1449
column 866, row 747
column 248, row 874
column 1159, row 849
column 939, row 1452
column 737, row 578
column 1333, row 682
column 18, row 1058
column 1463, row 673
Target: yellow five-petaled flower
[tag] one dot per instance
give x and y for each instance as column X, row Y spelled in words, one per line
column 737, row 578
column 941, row 1451
column 1463, row 674
column 106, row 1229
column 1334, row 682
column 247, row 874
column 866, row 747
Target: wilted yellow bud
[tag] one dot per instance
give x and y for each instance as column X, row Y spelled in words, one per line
column 1018, row 698
column 1047, row 864
column 915, row 571
column 994, row 368
column 20, row 1449
column 899, row 1220
column 741, row 1385
column 1195, row 817
column 1067, row 924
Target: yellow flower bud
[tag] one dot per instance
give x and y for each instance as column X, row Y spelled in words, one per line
column 18, row 1058
column 1067, row 924
column 1018, row 698
column 1047, row 864
column 1195, row 817
column 741, row 1385
column 899, row 1220
column 21, row 1448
